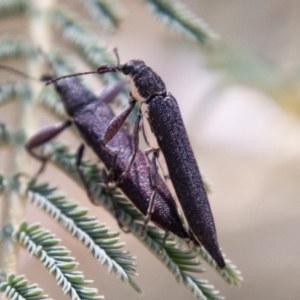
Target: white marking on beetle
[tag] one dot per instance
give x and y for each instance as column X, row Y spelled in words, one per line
column 134, row 92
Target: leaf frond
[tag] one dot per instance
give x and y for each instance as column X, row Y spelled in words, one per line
column 50, row 99
column 12, row 90
column 102, row 243
column 177, row 260
column 107, row 13
column 74, row 31
column 3, row 184
column 10, row 8
column 43, row 245
column 85, row 42
column 177, row 16
column 5, row 136
column 230, row 273
column 90, row 50
column 207, row 290
column 13, row 48
column 17, row 287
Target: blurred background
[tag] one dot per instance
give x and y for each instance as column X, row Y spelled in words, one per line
column 240, row 102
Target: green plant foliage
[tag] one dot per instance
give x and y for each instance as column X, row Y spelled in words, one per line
column 10, row 8
column 107, row 13
column 230, row 273
column 49, row 98
column 103, row 244
column 78, row 34
column 4, row 135
column 43, row 245
column 13, row 90
column 12, row 48
column 17, row 288
column 2, row 184
column 175, row 15
column 87, row 45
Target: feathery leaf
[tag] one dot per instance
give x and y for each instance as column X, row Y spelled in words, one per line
column 85, row 41
column 103, row 244
column 5, row 136
column 74, row 31
column 16, row 287
column 50, row 98
column 107, row 13
column 2, row 183
column 56, row 259
column 230, row 273
column 13, row 48
column 9, row 8
column 175, row 15
column 13, row 90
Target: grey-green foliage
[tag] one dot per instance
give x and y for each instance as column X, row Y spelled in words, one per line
column 15, row 48
column 4, row 135
column 17, row 288
column 2, row 184
column 86, row 44
column 12, row 7
column 106, row 12
column 103, row 244
column 182, row 20
column 230, row 273
column 178, row 257
column 43, row 245
column 12, row 90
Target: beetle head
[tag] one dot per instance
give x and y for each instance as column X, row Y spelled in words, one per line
column 132, row 67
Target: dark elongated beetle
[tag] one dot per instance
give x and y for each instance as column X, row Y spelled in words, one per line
column 165, row 132
column 91, row 115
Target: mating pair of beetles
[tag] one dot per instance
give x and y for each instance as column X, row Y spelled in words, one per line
column 165, row 133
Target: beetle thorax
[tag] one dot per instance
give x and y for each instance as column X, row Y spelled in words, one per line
column 144, row 82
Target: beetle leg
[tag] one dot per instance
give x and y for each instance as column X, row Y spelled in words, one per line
column 79, row 155
column 112, row 129
column 114, row 204
column 135, row 147
column 78, row 160
column 164, row 240
column 40, row 138
column 111, row 91
column 153, row 179
column 116, row 123
column 147, row 152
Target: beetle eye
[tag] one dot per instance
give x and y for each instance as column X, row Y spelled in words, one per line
column 126, row 69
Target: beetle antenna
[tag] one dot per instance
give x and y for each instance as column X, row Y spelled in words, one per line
column 68, row 76
column 111, row 68
column 100, row 70
column 20, row 73
column 117, row 56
